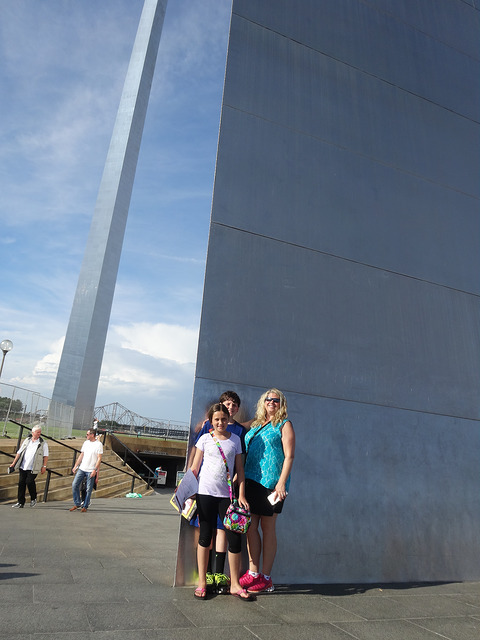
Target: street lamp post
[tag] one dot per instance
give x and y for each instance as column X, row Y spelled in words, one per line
column 5, row 346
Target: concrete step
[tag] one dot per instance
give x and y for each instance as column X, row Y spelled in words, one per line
column 107, row 476
column 113, row 482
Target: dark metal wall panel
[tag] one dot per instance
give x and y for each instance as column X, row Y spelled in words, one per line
column 391, row 503
column 281, row 81
column 450, row 21
column 395, row 493
column 336, row 328
column 418, row 55
column 321, row 196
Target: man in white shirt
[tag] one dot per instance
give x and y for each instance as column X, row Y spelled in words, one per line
column 87, row 466
column 31, row 459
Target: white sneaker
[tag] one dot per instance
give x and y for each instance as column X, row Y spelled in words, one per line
column 33, row 503
column 17, row 506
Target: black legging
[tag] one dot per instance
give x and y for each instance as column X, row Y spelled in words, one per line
column 208, row 508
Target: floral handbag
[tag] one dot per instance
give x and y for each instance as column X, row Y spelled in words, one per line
column 236, row 518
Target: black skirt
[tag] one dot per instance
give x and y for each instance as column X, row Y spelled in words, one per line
column 257, row 497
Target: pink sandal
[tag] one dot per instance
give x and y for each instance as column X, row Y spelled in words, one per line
column 243, row 595
column 200, row 593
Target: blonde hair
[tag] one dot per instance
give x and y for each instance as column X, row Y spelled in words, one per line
column 261, row 413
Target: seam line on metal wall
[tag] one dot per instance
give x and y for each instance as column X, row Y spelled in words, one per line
column 231, row 381
column 332, row 255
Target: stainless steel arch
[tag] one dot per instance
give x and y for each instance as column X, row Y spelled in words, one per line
column 345, row 230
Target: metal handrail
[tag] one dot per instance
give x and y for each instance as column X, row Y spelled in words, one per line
column 47, row 479
column 151, row 476
column 11, row 455
column 75, row 454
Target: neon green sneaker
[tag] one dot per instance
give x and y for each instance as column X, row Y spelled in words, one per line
column 222, row 582
column 210, row 583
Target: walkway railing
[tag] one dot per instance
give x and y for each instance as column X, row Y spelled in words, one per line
column 149, row 481
column 128, row 452
column 47, row 479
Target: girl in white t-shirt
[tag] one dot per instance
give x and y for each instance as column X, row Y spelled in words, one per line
column 213, row 497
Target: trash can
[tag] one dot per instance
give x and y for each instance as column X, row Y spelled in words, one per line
column 161, row 476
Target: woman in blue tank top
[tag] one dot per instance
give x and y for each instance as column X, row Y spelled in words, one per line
column 270, row 446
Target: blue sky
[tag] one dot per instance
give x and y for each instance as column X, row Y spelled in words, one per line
column 61, row 77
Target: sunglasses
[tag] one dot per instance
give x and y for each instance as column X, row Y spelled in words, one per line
column 275, row 400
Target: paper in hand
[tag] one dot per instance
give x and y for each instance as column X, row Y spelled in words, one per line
column 187, row 488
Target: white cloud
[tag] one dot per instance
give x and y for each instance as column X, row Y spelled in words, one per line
column 38, row 375
column 150, row 386
column 148, row 368
column 161, row 341
column 48, row 365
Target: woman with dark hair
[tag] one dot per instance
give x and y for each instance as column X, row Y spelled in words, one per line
column 270, row 445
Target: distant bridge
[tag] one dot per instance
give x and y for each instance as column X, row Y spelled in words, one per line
column 118, row 418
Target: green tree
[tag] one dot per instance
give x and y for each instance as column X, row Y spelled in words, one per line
column 17, row 405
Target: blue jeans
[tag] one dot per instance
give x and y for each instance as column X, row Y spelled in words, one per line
column 77, row 483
